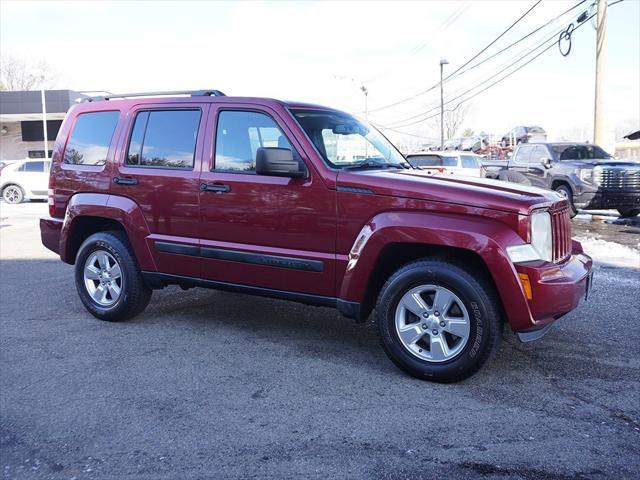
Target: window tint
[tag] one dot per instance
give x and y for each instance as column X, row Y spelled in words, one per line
column 238, row 137
column 538, row 154
column 424, row 160
column 449, row 161
column 524, row 153
column 164, row 139
column 34, row 167
column 580, row 152
column 469, row 161
column 90, row 138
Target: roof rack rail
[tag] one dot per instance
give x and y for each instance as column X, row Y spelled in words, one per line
column 193, row 93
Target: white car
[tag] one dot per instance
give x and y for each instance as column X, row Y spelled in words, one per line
column 453, row 163
column 26, row 179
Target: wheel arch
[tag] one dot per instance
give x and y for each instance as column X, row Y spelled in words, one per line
column 89, row 213
column 391, row 240
column 557, row 181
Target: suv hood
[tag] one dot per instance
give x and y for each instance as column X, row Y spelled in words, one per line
column 473, row 192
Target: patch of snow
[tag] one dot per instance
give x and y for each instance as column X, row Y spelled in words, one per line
column 610, row 252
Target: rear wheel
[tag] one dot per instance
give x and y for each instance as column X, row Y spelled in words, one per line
column 13, row 194
column 565, row 192
column 108, row 279
column 436, row 320
column 628, row 212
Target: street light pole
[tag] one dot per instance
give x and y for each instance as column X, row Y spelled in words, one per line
column 366, row 102
column 443, row 62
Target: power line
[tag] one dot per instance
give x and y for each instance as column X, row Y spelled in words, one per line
column 500, row 79
column 551, row 39
column 462, row 66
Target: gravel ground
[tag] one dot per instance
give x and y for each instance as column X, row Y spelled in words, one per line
column 208, row 384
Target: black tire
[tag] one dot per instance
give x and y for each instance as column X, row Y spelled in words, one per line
column 13, row 194
column 135, row 294
column 628, row 212
column 479, row 300
column 566, row 192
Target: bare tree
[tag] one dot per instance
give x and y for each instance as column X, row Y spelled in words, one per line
column 17, row 74
column 453, row 120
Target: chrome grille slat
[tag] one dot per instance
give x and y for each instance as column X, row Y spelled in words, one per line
column 618, row 178
column 561, row 232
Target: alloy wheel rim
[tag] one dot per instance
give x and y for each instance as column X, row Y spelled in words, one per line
column 432, row 323
column 11, row 194
column 103, row 278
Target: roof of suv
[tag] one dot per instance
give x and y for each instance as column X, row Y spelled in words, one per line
column 159, row 98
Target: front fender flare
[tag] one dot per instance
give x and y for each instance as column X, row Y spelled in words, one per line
column 483, row 236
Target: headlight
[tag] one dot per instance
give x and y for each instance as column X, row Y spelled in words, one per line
column 541, row 246
column 541, row 238
column 588, row 175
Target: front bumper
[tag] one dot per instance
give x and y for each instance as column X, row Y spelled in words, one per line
column 556, row 290
column 606, row 198
column 50, row 232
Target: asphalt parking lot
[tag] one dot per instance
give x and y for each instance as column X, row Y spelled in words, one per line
column 209, row 384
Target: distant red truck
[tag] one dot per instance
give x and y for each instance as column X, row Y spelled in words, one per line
column 304, row 203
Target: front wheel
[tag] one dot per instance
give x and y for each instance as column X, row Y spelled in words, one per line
column 13, row 194
column 628, row 212
column 108, row 279
column 437, row 321
column 565, row 192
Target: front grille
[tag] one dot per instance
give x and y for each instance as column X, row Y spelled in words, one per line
column 618, row 178
column 561, row 230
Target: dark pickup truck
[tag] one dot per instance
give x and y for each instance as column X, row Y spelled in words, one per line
column 583, row 173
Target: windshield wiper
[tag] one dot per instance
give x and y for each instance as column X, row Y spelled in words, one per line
column 372, row 164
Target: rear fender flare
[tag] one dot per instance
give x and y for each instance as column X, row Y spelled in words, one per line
column 113, row 207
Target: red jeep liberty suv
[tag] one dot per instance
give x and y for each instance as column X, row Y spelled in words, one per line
column 304, row 203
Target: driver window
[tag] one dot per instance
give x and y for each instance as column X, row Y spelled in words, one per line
column 538, row 154
column 239, row 134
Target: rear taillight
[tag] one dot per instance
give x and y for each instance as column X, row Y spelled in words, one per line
column 51, row 200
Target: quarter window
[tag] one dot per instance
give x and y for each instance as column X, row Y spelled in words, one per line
column 239, row 134
column 90, row 139
column 164, row 139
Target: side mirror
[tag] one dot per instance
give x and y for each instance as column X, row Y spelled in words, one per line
column 546, row 162
column 279, row 162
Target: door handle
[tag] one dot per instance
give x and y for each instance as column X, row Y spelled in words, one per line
column 125, row 181
column 214, row 187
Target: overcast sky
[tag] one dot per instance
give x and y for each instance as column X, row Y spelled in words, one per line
column 323, row 52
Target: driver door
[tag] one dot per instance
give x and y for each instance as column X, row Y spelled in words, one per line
column 264, row 231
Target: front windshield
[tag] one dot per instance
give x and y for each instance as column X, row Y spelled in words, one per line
column 580, row 152
column 345, row 142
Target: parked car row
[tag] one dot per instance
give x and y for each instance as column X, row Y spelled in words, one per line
column 587, row 176
column 453, row 163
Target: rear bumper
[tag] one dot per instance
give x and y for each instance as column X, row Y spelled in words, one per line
column 50, row 232
column 556, row 290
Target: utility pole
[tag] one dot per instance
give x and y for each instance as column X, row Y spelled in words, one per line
column 443, row 62
column 599, row 119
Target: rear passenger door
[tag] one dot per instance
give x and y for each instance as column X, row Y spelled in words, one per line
column 35, row 176
column 258, row 230
column 159, row 168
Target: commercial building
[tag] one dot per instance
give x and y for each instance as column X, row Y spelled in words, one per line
column 21, row 121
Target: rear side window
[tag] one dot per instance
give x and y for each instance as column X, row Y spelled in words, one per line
column 239, row 134
column 449, row 161
column 523, row 154
column 164, row 139
column 90, row 139
column 469, row 161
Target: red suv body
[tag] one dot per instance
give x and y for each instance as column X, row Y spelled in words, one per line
column 305, row 203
